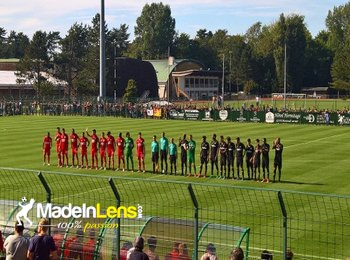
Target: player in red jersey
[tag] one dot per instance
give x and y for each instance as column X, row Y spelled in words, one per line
column 64, row 147
column 58, row 140
column 110, row 149
column 47, row 143
column 140, row 152
column 121, row 147
column 103, row 147
column 94, row 148
column 84, row 143
column 74, row 144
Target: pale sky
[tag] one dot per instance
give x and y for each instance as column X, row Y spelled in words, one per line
column 236, row 16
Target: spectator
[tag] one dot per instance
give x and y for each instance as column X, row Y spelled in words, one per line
column 237, row 254
column 289, row 255
column 58, row 239
column 266, row 255
column 136, row 251
column 74, row 246
column 174, row 253
column 152, row 244
column 124, row 250
column 89, row 247
column 16, row 245
column 42, row 246
column 210, row 253
column 183, row 252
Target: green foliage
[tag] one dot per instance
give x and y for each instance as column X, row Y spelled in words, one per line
column 338, row 25
column 154, row 31
column 36, row 66
column 341, row 67
column 130, row 94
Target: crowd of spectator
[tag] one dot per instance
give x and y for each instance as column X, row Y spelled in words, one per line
column 134, row 110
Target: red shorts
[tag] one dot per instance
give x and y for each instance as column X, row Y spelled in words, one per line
column 46, row 151
column 121, row 154
column 83, row 152
column 75, row 150
column 63, row 151
column 140, row 156
column 102, row 153
column 110, row 153
column 93, row 153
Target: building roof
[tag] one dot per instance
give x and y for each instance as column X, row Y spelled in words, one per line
column 163, row 69
column 9, row 78
column 322, row 89
column 9, row 60
column 197, row 73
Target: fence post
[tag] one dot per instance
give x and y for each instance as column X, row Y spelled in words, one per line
column 48, row 193
column 285, row 218
column 117, row 196
column 196, row 209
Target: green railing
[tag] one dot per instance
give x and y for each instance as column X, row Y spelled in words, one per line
column 313, row 226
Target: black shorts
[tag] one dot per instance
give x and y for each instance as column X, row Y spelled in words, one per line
column 265, row 162
column 155, row 157
column 213, row 159
column 223, row 159
column 239, row 162
column 204, row 159
column 278, row 164
column 230, row 159
column 183, row 157
column 172, row 158
column 163, row 155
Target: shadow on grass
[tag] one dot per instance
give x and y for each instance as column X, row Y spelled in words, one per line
column 302, row 183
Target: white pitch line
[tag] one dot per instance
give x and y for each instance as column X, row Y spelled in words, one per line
column 314, row 141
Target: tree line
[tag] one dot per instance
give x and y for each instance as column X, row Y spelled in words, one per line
column 254, row 61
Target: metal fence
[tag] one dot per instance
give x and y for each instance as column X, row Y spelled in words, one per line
column 181, row 215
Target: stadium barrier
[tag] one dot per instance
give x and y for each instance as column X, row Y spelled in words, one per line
column 172, row 112
column 192, row 215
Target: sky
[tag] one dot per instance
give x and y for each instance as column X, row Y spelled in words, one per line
column 236, row 16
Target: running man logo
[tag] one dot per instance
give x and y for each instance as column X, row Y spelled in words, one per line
column 24, row 211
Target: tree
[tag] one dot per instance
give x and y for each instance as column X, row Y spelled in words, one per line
column 341, row 67
column 36, row 65
column 17, row 43
column 70, row 61
column 130, row 91
column 2, row 42
column 154, row 31
column 338, row 25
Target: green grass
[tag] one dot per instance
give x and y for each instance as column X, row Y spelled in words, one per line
column 315, row 159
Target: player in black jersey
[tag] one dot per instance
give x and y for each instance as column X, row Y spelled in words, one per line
column 240, row 151
column 223, row 157
column 183, row 143
column 214, row 150
column 204, row 156
column 265, row 149
column 257, row 160
column 278, row 147
column 230, row 157
column 249, row 152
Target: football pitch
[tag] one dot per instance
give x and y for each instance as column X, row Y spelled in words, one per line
column 315, row 158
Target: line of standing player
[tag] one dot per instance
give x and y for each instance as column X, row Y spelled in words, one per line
column 106, row 146
column 223, row 152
